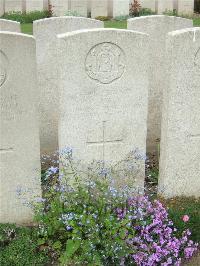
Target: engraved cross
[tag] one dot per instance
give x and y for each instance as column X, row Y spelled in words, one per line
column 104, row 141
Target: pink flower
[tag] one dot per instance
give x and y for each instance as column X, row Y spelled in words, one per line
column 186, row 218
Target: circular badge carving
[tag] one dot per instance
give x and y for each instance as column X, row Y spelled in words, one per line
column 3, row 68
column 105, row 62
column 197, row 59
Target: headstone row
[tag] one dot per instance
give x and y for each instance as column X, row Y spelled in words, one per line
column 93, row 96
column 85, row 8
column 183, row 7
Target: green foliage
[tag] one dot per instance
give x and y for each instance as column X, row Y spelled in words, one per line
column 23, row 17
column 103, row 18
column 27, row 28
column 146, row 12
column 178, row 207
column 18, row 247
column 72, row 13
column 196, row 22
column 121, row 18
column 78, row 218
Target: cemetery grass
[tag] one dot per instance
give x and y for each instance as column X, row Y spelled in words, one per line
column 27, row 28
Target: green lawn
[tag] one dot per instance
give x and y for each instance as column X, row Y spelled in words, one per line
column 28, row 28
column 196, row 22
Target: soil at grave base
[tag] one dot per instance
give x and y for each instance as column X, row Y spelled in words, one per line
column 195, row 261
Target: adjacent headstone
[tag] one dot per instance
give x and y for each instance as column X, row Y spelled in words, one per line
column 157, row 27
column 103, row 99
column 59, row 7
column 2, row 7
column 45, row 32
column 185, row 7
column 163, row 6
column 150, row 4
column 180, row 143
column 34, row 5
column 19, row 130
column 9, row 25
column 99, row 8
column 80, row 7
column 117, row 8
column 14, row 5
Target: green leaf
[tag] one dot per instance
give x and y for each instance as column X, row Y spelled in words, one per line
column 71, row 247
column 41, row 241
column 57, row 245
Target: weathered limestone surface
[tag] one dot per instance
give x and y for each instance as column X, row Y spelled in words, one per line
column 19, row 130
column 79, row 6
column 14, row 5
column 118, row 8
column 104, row 108
column 2, row 7
column 185, row 7
column 33, row 5
column 151, row 4
column 9, row 25
column 180, row 142
column 45, row 32
column 59, row 7
column 164, row 6
column 157, row 27
column 99, row 8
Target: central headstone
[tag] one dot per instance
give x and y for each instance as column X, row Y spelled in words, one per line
column 104, row 95
column 45, row 31
column 157, row 27
column 19, row 129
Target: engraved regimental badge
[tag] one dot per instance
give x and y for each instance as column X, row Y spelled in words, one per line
column 105, row 62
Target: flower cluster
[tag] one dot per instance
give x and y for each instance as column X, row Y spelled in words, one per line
column 89, row 216
column 155, row 241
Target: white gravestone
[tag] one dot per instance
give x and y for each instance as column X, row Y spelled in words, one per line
column 99, row 8
column 180, row 143
column 185, row 7
column 34, row 5
column 80, row 7
column 2, row 8
column 103, row 99
column 150, row 4
column 45, row 32
column 9, row 25
column 118, row 8
column 164, row 6
column 59, row 7
column 19, row 129
column 14, row 5
column 157, row 27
